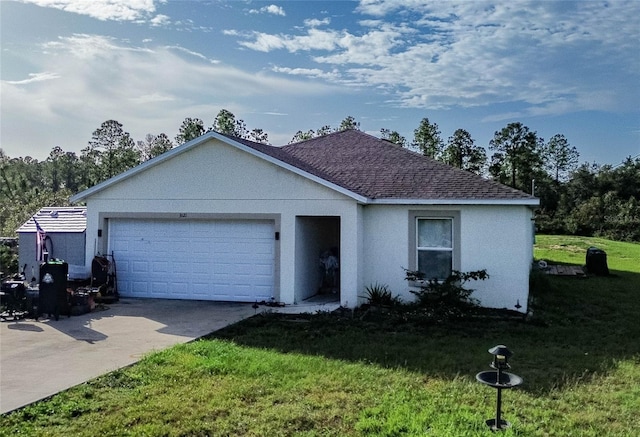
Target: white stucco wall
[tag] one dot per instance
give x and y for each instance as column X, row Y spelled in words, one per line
column 386, row 248
column 499, row 240
column 215, row 180
column 496, row 238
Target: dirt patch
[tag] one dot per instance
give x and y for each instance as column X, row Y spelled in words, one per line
column 567, row 248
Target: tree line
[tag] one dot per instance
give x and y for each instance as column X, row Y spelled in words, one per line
column 579, row 199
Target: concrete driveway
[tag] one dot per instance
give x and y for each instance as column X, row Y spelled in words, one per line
column 41, row 358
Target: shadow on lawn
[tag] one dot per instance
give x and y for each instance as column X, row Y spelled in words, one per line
column 579, row 329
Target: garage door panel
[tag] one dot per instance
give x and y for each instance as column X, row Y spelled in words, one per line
column 221, row 281
column 161, row 245
column 140, row 266
column 159, row 288
column 221, row 248
column 201, row 246
column 122, row 263
column 263, row 249
column 177, row 287
column 179, row 267
column 160, row 267
column 214, row 260
column 138, row 242
column 202, row 266
column 263, row 293
column 120, row 243
column 200, row 278
column 201, row 289
column 140, row 287
column 243, row 291
column 178, row 248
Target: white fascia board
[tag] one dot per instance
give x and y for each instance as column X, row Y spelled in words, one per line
column 201, row 139
column 523, row 202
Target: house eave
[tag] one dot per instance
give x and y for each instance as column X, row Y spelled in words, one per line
column 197, row 141
column 520, row 202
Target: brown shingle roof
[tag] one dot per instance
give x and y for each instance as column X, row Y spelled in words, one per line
column 378, row 169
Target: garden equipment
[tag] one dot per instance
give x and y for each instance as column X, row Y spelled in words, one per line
column 13, row 300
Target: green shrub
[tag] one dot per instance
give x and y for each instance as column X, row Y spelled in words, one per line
column 380, row 295
column 450, row 292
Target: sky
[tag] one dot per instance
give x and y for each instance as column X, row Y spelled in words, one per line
column 558, row 67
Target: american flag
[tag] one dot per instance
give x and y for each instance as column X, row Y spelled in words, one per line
column 41, row 248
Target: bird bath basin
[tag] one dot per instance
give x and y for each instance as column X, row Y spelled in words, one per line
column 499, row 379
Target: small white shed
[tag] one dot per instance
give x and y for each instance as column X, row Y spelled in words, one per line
column 65, row 238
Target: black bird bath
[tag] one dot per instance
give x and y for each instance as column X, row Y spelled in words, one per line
column 500, row 380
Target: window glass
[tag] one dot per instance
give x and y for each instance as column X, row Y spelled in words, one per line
column 434, row 233
column 435, row 264
column 435, row 247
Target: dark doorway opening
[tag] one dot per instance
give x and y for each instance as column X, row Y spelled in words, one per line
column 317, row 257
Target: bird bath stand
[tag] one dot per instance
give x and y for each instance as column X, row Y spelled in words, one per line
column 500, row 380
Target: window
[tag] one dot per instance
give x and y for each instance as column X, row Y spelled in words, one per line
column 434, row 244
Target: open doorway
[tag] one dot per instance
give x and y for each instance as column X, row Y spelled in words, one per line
column 317, row 258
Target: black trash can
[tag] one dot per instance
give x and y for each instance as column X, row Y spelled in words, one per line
column 597, row 262
column 53, row 298
column 32, row 301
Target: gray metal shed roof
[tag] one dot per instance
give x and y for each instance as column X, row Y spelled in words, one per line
column 58, row 219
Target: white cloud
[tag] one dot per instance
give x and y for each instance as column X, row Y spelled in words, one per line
column 149, row 89
column 151, row 98
column 314, row 40
column 275, row 10
column 314, row 22
column 34, row 77
column 271, row 9
column 192, row 53
column 160, row 20
column 383, row 7
column 308, row 72
column 550, row 55
column 118, row 10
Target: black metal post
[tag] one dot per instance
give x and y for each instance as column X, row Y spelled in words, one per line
column 498, row 424
column 499, row 400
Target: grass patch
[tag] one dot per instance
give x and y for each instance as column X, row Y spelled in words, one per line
column 384, row 374
column 623, row 257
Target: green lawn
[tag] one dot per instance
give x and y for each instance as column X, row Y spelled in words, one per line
column 385, row 375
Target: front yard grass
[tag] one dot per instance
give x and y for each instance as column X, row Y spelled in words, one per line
column 384, row 374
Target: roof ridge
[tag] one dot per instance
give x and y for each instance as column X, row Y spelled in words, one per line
column 334, row 133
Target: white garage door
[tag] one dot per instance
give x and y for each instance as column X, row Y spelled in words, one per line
column 230, row 260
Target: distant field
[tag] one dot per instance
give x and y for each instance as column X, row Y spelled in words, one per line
column 621, row 256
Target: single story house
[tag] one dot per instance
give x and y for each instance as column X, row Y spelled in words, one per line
column 63, row 237
column 223, row 218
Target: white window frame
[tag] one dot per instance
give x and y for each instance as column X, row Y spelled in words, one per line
column 434, row 213
column 450, row 248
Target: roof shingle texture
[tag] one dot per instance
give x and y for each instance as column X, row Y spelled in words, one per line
column 58, row 219
column 378, row 169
